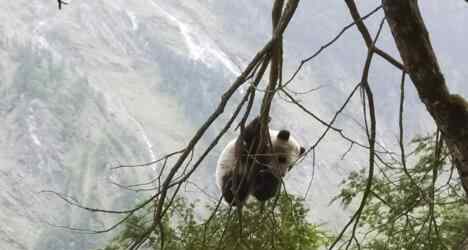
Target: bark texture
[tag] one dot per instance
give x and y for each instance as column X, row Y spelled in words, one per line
column 449, row 111
column 464, row 245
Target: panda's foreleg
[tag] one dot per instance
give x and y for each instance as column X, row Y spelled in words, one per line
column 235, row 189
column 266, row 185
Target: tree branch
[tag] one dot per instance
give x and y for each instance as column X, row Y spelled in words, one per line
column 367, row 37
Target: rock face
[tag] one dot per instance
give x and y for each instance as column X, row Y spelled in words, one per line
column 109, row 81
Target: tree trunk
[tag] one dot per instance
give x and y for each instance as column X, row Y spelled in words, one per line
column 450, row 112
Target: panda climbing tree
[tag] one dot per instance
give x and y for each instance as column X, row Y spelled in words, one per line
column 247, row 168
column 254, row 163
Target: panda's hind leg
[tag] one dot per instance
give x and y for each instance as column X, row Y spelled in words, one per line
column 266, row 185
column 235, row 190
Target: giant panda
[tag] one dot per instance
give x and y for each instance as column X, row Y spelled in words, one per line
column 258, row 176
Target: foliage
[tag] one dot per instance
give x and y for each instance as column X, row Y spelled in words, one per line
column 418, row 207
column 278, row 224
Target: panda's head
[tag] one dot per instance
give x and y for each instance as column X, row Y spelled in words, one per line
column 286, row 149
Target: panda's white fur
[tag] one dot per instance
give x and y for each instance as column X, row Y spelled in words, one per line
column 227, row 161
column 290, row 149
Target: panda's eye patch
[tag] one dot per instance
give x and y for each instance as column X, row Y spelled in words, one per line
column 283, row 135
column 301, row 151
column 282, row 159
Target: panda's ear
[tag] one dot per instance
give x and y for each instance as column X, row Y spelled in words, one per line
column 283, row 135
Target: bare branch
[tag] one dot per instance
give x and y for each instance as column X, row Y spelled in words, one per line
column 60, row 3
column 73, row 202
column 367, row 37
column 165, row 157
column 364, row 80
column 323, row 47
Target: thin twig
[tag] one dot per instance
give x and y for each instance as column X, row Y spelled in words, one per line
column 364, row 80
